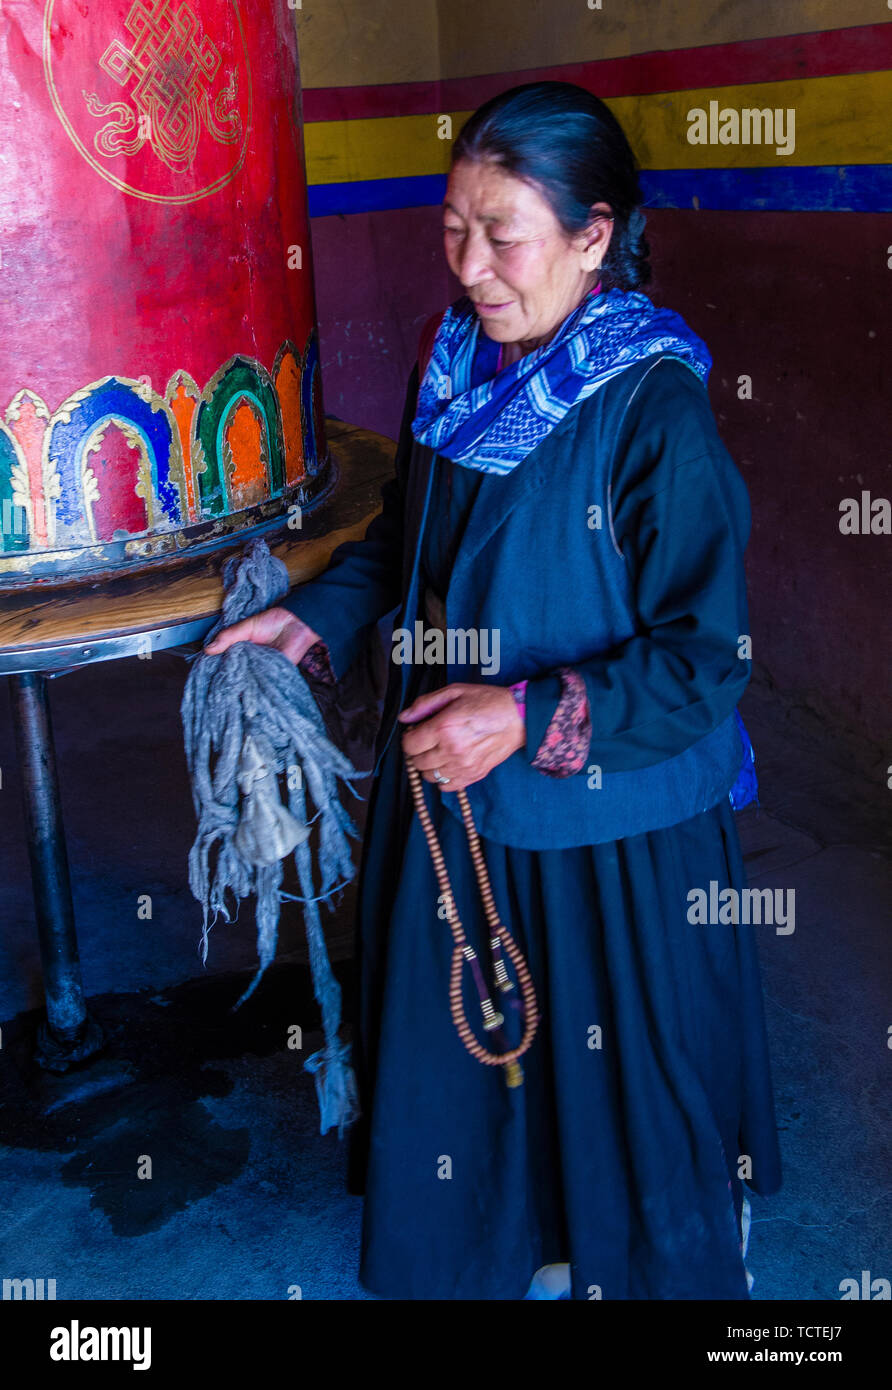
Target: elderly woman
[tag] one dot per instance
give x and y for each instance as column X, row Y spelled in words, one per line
column 562, row 492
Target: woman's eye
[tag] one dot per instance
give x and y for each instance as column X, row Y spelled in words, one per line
column 453, row 231
column 500, row 244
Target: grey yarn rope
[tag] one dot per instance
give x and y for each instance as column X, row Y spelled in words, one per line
column 248, row 718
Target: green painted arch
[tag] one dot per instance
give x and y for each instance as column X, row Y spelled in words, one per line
column 239, row 377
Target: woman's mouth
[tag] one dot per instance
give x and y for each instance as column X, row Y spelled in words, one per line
column 492, row 308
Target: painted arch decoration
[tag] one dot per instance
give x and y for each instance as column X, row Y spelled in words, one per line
column 120, row 470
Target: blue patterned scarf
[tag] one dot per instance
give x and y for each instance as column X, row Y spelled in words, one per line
column 491, row 424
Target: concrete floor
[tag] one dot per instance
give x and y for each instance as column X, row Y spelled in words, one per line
column 247, row 1200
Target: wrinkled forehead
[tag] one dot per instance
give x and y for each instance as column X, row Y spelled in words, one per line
column 482, row 192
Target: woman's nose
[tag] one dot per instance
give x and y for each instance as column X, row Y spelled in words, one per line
column 473, row 267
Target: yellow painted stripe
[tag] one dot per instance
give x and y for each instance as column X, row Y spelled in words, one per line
column 392, row 147
column 838, row 120
column 351, row 44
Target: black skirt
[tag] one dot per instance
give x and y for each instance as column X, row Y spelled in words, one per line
column 646, row 1092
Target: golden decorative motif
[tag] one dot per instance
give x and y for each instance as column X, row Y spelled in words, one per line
column 89, row 481
column 144, row 486
column 171, row 62
column 38, row 455
column 14, row 409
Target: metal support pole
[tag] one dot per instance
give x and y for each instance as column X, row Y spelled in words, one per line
column 69, row 1033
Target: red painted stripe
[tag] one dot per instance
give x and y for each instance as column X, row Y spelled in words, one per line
column 833, row 53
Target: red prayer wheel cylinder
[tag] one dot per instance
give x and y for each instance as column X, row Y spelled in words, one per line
column 159, row 366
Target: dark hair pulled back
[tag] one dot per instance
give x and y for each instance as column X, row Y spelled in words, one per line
column 570, row 146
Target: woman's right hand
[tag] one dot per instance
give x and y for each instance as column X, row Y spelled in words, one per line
column 276, row 627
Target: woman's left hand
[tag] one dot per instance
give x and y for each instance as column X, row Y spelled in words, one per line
column 463, row 731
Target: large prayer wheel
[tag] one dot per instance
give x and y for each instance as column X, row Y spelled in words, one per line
column 159, row 378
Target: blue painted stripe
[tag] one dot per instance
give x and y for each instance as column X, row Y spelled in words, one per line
column 376, row 195
column 806, row 188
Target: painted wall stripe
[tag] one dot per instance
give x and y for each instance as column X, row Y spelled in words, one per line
column 838, row 120
column 376, row 195
column 827, row 188
column 836, row 52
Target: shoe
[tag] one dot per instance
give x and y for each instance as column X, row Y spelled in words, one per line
column 549, row 1284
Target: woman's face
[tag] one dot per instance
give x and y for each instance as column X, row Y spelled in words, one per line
column 520, row 268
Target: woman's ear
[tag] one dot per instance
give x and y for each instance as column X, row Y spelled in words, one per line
column 594, row 241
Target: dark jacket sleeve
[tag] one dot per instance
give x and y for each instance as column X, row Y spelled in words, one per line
column 363, row 580
column 680, row 517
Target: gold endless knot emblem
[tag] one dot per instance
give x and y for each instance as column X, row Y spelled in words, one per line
column 172, row 66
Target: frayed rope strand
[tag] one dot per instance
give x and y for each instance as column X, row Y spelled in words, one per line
column 249, row 717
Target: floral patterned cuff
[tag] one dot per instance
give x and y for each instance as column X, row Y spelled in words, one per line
column 565, row 746
column 316, row 663
column 519, row 691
